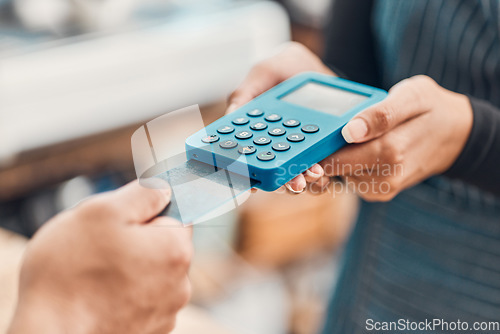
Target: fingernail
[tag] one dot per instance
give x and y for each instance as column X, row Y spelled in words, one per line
column 232, row 107
column 311, row 174
column 301, row 184
column 289, row 187
column 355, row 130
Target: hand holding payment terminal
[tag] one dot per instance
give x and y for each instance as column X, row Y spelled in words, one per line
column 268, row 141
column 296, row 123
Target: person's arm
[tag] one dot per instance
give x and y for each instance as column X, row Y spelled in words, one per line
column 479, row 162
column 109, row 265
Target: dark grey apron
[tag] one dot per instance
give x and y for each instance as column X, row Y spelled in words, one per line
column 432, row 252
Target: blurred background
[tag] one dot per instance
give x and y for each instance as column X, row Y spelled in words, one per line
column 77, row 77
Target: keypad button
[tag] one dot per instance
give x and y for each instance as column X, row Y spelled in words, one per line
column 225, row 129
column 273, row 118
column 266, row 156
column 258, row 126
column 310, row 128
column 295, row 137
column 277, row 132
column 240, row 121
column 262, row 140
column 228, row 144
column 210, row 139
column 255, row 113
column 291, row 123
column 249, row 149
column 280, row 147
column 243, row 135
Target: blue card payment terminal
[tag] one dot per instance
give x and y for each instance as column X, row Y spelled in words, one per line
column 285, row 130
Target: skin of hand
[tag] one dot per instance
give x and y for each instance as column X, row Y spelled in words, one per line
column 108, row 265
column 418, row 131
column 291, row 59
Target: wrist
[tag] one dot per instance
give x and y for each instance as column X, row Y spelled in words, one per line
column 461, row 119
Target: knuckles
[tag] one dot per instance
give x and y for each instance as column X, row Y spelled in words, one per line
column 98, row 208
column 181, row 258
column 419, row 83
column 156, row 202
column 298, row 48
column 383, row 118
column 392, row 150
column 419, row 91
column 423, row 81
column 422, row 88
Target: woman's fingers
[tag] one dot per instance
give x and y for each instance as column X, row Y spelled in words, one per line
column 297, row 184
column 314, row 174
column 259, row 79
column 354, row 159
column 291, row 59
column 316, row 179
column 405, row 101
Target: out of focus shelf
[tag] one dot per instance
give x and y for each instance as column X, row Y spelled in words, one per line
column 97, row 83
